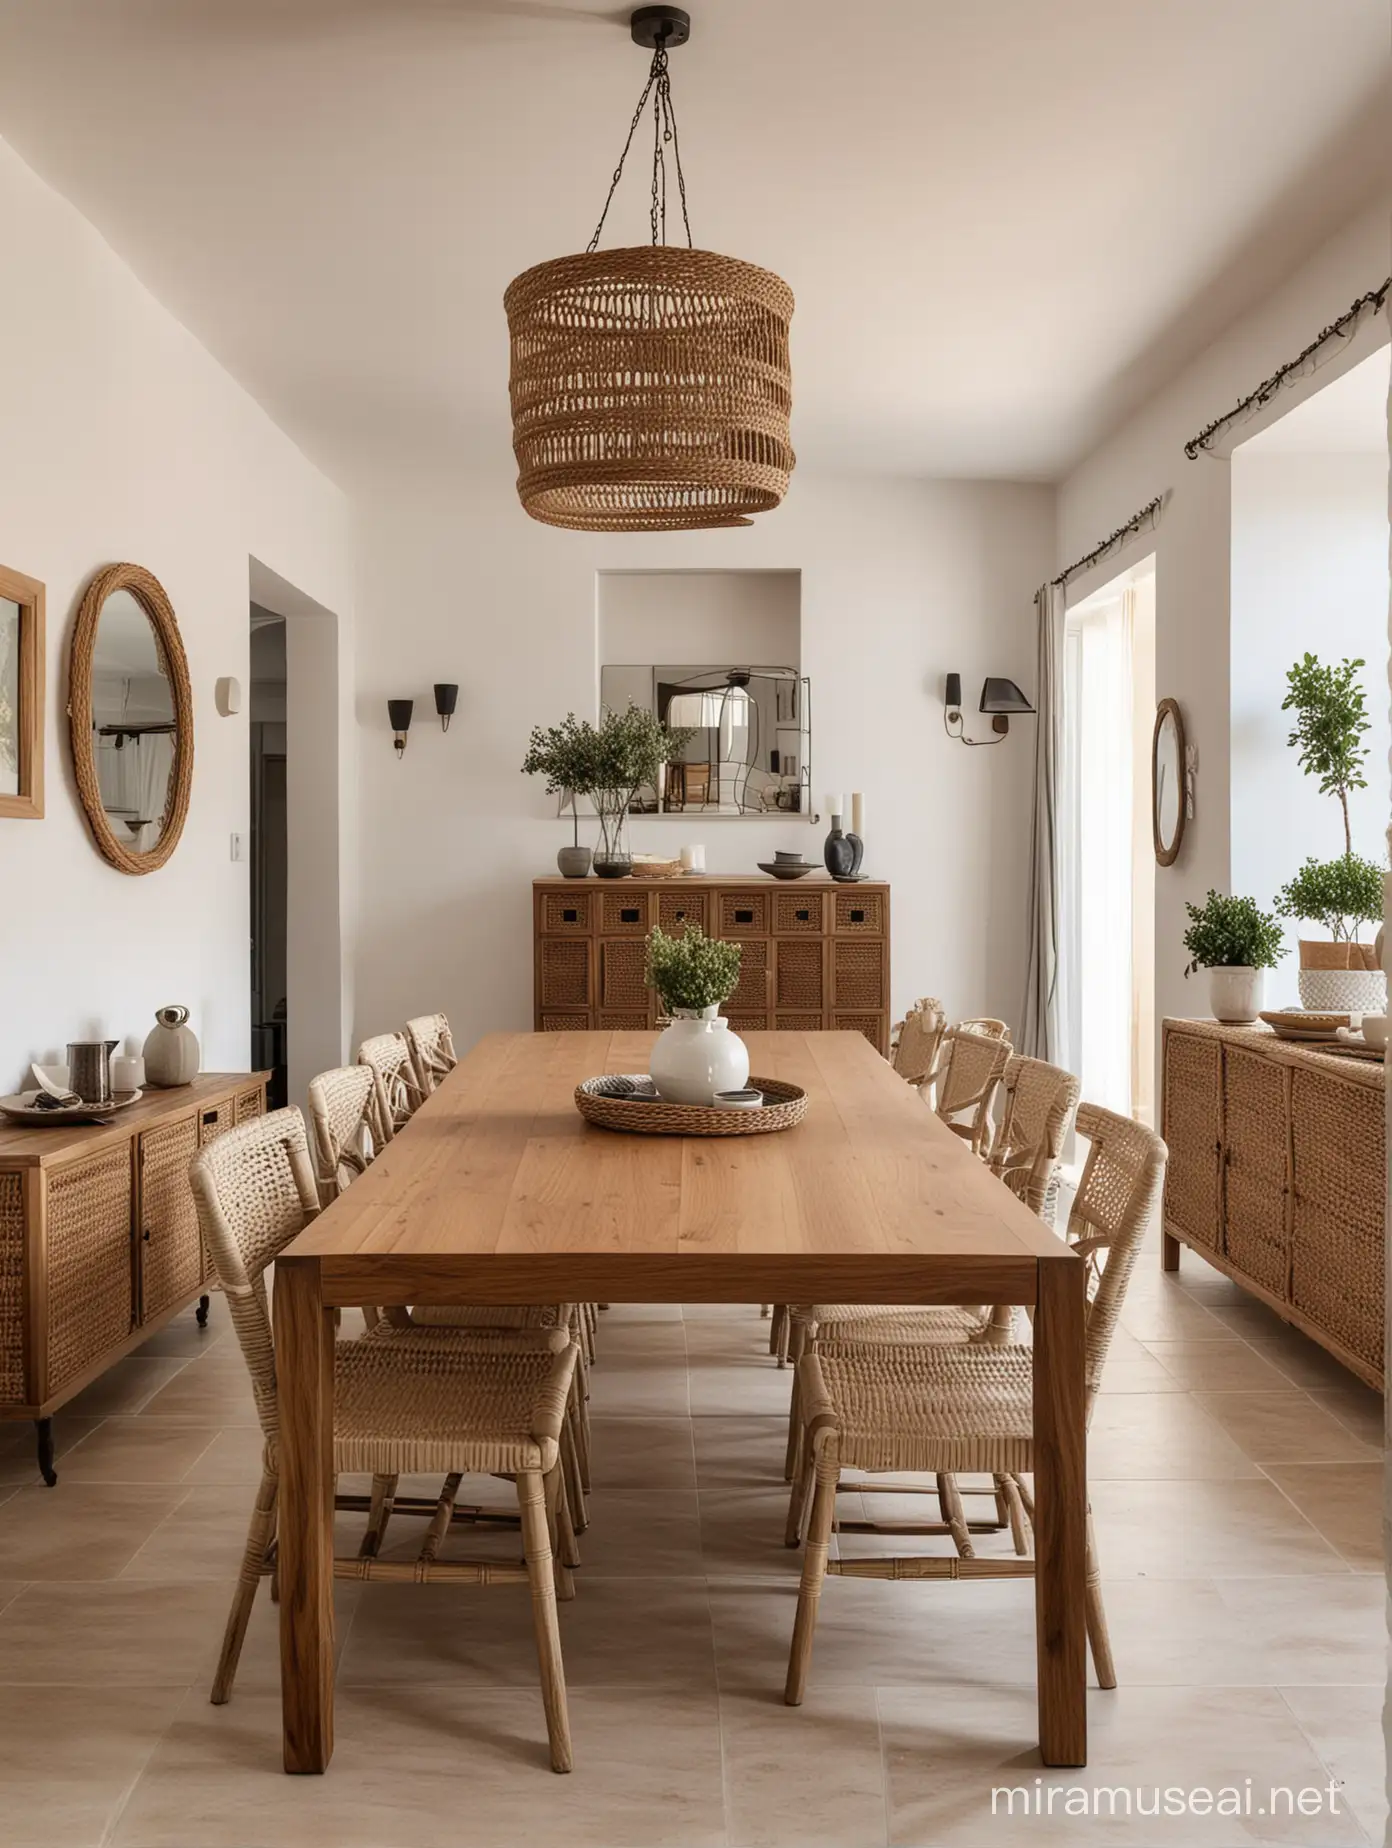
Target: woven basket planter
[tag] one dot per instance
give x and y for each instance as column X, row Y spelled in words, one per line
column 650, row 389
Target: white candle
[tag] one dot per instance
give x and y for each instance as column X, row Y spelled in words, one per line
column 858, row 814
column 698, row 858
column 834, row 807
column 688, row 859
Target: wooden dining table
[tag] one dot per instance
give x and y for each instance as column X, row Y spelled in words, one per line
column 498, row 1191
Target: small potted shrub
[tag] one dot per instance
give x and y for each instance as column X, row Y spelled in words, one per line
column 565, row 755
column 1337, row 972
column 1236, row 943
column 609, row 762
column 696, row 1057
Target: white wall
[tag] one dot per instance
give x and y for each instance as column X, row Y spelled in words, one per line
column 1309, row 572
column 121, row 439
column 1193, row 541
column 901, row 581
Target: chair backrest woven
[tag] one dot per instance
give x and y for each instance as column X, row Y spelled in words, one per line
column 341, row 1112
column 1039, row 1103
column 432, row 1049
column 254, row 1190
column 972, row 1066
column 920, row 1035
column 396, row 1089
column 1117, row 1194
column 987, row 1024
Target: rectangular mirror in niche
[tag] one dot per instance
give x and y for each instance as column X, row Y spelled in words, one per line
column 718, row 653
column 21, row 696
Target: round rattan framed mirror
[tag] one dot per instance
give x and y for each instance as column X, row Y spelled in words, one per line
column 130, row 718
column 1168, row 797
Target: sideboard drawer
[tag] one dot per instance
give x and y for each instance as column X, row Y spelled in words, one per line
column 678, row 908
column 859, row 914
column 170, row 1252
column 623, row 914
column 567, row 914
column 799, row 914
column 90, row 1273
column 742, row 914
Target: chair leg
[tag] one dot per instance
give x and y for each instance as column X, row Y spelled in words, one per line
column 1009, row 1490
column 801, row 1497
column 259, row 1536
column 814, row 1561
column 1098, row 1640
column 950, row 1502
column 536, row 1540
column 570, row 1467
column 378, row 1514
column 792, row 1457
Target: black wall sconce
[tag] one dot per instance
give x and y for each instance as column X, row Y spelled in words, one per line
column 446, row 699
column 999, row 697
column 399, row 713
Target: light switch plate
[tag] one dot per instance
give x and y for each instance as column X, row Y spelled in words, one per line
column 236, row 846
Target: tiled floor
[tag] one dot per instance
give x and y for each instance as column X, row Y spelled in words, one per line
column 1236, row 1482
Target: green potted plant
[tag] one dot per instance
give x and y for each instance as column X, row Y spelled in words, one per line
column 696, row 1057
column 1236, row 942
column 609, row 762
column 565, row 755
column 1330, row 708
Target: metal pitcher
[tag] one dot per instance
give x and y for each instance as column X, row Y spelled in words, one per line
column 89, row 1069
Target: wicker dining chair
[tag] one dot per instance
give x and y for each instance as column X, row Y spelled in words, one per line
column 432, row 1050
column 341, row 1114
column 950, row 1410
column 972, row 1067
column 915, row 1041
column 397, row 1093
column 402, row 1405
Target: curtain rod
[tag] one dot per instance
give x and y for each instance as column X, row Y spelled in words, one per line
column 1347, row 324
column 1151, row 512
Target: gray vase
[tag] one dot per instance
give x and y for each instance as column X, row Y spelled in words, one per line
column 171, row 1050
column 574, row 862
column 838, row 853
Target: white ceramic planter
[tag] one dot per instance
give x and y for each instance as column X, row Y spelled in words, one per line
column 1235, row 993
column 697, row 1056
column 1343, row 991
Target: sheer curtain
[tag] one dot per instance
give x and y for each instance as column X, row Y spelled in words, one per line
column 1043, row 1031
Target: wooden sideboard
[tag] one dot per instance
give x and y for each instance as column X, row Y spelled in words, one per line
column 1277, row 1175
column 99, row 1240
column 816, row 954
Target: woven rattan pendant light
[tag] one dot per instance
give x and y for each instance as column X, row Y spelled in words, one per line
column 650, row 386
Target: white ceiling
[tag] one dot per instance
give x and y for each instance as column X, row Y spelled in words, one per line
column 1005, row 224
column 1347, row 417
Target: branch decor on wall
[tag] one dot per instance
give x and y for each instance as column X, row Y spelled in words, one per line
column 1300, row 367
column 1146, row 519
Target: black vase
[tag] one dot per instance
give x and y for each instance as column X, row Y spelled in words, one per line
column 838, row 853
column 857, row 854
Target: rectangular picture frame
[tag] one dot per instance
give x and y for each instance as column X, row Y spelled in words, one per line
column 24, row 726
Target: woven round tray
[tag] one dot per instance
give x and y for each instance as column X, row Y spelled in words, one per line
column 784, row 1105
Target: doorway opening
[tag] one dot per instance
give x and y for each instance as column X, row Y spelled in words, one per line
column 1107, row 862
column 269, row 854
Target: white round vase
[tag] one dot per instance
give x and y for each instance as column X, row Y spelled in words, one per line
column 698, row 1056
column 1235, row 993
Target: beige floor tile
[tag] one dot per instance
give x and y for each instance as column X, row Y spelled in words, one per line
column 1205, row 1529
column 1217, row 1366
column 652, row 1455
column 135, row 1450
column 79, row 1530
column 1283, row 1427
column 214, row 1391
column 944, row 1756
column 233, row 1457
column 203, row 1538
column 69, row 1757
column 656, row 1535
column 429, row 1767
column 18, row 1453
column 1154, row 1436
column 1252, row 1320
column 1336, row 1637
column 1357, row 1407
column 642, row 1373
column 125, row 1387
column 742, row 1533
column 739, row 1453
column 615, row 1632
column 1304, row 1362
column 1344, row 1501
column 9, row 1591
column 112, row 1635
column 1167, row 1314
column 1145, row 1374
column 183, row 1339
column 1345, row 1727
column 804, row 1777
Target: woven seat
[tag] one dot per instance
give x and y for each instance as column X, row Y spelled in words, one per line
column 396, row 1091
column 341, row 1108
column 432, row 1050
column 404, row 1402
column 946, row 1410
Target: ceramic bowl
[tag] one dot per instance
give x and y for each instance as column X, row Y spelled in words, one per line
column 1375, row 1029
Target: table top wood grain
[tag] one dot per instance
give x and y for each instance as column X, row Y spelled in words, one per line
column 499, row 1191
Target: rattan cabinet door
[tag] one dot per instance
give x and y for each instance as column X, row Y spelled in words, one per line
column 1339, row 1170
column 622, row 963
column 12, row 1226
column 1193, row 1120
column 1256, row 1202
column 90, row 1275
column 171, row 1256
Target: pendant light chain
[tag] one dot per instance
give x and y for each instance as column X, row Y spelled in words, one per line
column 659, row 88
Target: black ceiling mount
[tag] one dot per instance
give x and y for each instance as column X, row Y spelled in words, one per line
column 652, row 26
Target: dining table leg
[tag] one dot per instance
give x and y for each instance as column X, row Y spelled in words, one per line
column 304, row 1345
column 1060, row 1493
